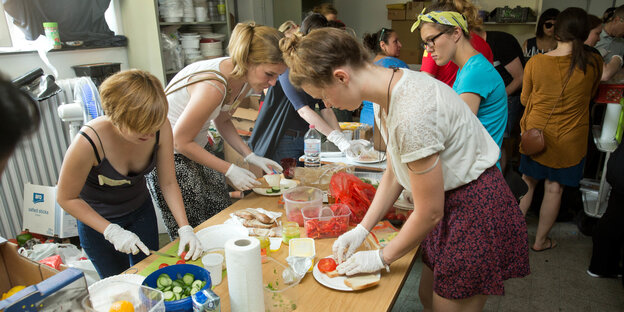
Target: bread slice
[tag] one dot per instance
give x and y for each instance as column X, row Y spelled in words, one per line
column 332, row 274
column 260, row 216
column 257, row 224
column 272, row 232
column 244, row 214
column 359, row 282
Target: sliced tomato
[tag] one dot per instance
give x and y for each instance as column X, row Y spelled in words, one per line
column 183, row 255
column 327, row 265
column 181, row 261
column 162, row 265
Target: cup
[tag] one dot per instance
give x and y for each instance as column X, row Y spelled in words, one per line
column 213, row 263
column 201, row 13
column 52, row 33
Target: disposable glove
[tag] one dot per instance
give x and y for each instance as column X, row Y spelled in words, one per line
column 352, row 148
column 267, row 165
column 242, row 178
column 368, row 261
column 347, row 243
column 188, row 237
column 123, row 240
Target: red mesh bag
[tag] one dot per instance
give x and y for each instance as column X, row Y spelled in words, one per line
column 348, row 189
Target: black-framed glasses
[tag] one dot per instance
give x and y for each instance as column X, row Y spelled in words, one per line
column 430, row 43
column 549, row 25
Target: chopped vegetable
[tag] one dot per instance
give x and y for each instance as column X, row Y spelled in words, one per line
column 182, row 287
column 162, row 265
column 181, row 261
column 327, row 265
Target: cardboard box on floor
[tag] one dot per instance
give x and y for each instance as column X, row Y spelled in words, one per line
column 244, row 117
column 17, row 270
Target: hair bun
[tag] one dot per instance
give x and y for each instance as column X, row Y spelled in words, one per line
column 289, row 45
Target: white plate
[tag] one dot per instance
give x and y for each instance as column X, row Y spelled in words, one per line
column 336, row 283
column 284, row 184
column 215, row 236
column 381, row 158
column 104, row 283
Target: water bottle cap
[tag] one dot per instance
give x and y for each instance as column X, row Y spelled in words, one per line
column 311, row 126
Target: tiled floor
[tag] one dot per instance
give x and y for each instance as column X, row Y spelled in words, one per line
column 558, row 281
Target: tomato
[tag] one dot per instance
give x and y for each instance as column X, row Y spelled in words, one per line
column 327, row 265
column 181, row 261
column 162, row 265
column 183, row 255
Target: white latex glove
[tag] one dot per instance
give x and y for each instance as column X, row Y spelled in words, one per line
column 352, row 148
column 124, row 241
column 368, row 261
column 267, row 165
column 188, row 237
column 347, row 243
column 242, row 178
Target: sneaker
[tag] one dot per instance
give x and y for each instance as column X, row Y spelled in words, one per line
column 590, row 273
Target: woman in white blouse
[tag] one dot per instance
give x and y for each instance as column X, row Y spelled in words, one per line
column 465, row 218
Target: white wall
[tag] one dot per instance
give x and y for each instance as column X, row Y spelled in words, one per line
column 364, row 16
column 14, row 65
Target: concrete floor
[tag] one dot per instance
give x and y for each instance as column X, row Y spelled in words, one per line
column 558, row 281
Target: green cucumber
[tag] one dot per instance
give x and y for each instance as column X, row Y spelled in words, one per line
column 188, row 278
column 168, row 295
column 275, row 189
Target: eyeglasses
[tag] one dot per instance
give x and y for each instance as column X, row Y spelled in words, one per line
column 430, row 43
column 549, row 25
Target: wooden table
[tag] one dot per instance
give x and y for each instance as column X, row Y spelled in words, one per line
column 313, row 296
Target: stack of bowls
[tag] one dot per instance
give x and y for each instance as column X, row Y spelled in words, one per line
column 210, row 48
column 190, row 46
column 170, row 10
column 189, row 11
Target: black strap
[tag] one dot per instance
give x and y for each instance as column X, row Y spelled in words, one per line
column 97, row 156
column 157, row 136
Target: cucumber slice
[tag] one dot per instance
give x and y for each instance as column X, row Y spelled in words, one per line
column 188, row 278
column 194, row 291
column 177, row 283
column 275, row 189
column 167, row 288
column 168, row 295
column 163, row 280
column 269, row 191
column 177, row 296
column 177, row 289
column 197, row 284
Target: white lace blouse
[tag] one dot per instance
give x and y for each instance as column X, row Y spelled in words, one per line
column 426, row 117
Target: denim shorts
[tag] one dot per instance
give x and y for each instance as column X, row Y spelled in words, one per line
column 102, row 253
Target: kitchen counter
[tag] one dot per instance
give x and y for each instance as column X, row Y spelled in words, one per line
column 312, row 296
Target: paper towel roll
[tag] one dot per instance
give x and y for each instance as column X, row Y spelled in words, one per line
column 244, row 274
column 610, row 123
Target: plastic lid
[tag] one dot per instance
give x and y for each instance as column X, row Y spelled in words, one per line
column 311, row 127
column 200, row 297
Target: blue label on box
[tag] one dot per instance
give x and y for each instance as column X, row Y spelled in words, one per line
column 38, row 198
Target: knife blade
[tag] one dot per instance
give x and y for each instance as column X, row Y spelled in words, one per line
column 158, row 253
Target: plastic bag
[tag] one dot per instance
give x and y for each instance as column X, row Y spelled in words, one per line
column 172, row 52
column 350, row 190
column 67, row 252
column 53, row 262
column 321, row 176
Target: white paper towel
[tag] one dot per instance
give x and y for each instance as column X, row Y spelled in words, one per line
column 244, row 274
column 609, row 126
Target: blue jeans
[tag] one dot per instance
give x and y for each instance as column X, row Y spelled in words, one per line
column 289, row 147
column 102, row 253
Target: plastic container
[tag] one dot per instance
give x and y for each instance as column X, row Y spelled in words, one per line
column 312, row 148
column 279, row 295
column 301, row 197
column 52, row 33
column 186, row 304
column 142, row 298
column 302, row 247
column 213, row 262
column 326, row 222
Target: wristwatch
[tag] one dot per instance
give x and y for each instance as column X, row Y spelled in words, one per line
column 383, row 261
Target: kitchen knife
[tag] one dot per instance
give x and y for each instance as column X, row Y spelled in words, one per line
column 158, row 253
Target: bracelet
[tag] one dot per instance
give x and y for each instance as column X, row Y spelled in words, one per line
column 383, row 261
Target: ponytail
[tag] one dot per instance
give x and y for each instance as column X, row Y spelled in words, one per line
column 371, row 42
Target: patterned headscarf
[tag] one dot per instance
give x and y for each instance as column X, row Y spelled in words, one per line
column 449, row 18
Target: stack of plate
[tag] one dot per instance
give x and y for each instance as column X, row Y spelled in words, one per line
column 171, row 10
column 189, row 11
column 210, row 48
column 190, row 46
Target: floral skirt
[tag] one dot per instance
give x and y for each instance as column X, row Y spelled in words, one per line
column 480, row 242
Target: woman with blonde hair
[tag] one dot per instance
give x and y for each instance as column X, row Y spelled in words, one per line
column 102, row 181
column 208, row 92
column 448, row 72
column 465, row 219
column 288, row 28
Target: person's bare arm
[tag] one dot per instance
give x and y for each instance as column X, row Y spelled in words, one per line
column 77, row 163
column 205, row 97
column 227, row 130
column 319, row 121
column 609, row 69
column 514, row 68
column 473, row 100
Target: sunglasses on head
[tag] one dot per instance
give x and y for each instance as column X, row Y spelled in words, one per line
column 549, row 25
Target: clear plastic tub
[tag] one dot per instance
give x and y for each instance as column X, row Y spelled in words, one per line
column 326, row 222
column 301, row 197
column 141, row 297
column 280, row 295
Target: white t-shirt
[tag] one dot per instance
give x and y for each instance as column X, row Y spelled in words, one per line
column 179, row 99
column 426, row 117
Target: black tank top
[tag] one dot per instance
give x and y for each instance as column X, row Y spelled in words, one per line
column 111, row 193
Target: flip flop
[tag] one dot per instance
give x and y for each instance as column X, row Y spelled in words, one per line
column 550, row 246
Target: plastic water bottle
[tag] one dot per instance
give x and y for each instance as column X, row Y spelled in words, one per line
column 312, row 148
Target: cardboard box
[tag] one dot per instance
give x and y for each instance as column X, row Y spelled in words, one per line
column 244, row 117
column 412, row 50
column 43, row 215
column 396, row 15
column 414, row 8
column 46, row 287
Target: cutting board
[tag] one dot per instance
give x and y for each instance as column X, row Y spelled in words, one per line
column 168, row 260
